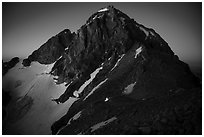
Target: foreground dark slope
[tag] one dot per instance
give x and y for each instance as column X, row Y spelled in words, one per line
column 126, row 78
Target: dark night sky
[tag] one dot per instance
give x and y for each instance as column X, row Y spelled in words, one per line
column 26, row 26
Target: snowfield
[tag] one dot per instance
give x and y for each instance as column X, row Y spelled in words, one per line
column 36, row 83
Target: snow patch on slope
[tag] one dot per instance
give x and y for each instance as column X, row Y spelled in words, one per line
column 129, row 88
column 104, row 9
column 93, row 75
column 95, row 88
column 152, row 33
column 94, row 17
column 97, row 16
column 60, row 57
column 138, row 51
column 147, row 32
column 118, row 61
column 101, row 124
column 106, row 99
column 75, row 117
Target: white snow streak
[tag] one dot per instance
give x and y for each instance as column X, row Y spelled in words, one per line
column 152, row 33
column 66, row 48
column 60, row 57
column 95, row 88
column 104, row 9
column 97, row 17
column 101, row 124
column 55, row 77
column 117, row 62
column 93, row 75
column 94, row 17
column 145, row 31
column 77, row 116
column 137, row 52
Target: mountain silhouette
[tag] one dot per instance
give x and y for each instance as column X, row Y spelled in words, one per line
column 120, row 76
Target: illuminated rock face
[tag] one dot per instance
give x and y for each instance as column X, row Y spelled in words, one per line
column 121, row 77
column 52, row 49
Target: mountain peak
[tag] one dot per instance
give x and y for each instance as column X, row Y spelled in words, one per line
column 107, row 36
column 108, row 11
column 118, row 71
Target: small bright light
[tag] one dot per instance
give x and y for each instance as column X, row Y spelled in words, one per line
column 106, row 99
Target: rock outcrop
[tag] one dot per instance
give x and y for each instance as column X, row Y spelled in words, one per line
column 8, row 65
column 50, row 51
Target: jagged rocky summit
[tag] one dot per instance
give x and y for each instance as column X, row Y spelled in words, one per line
column 49, row 52
column 126, row 79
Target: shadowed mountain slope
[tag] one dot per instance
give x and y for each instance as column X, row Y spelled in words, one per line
column 123, row 77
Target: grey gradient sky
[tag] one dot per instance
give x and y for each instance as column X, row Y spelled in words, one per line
column 26, row 26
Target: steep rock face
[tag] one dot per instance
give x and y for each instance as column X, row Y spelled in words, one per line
column 108, row 35
column 51, row 50
column 112, row 63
